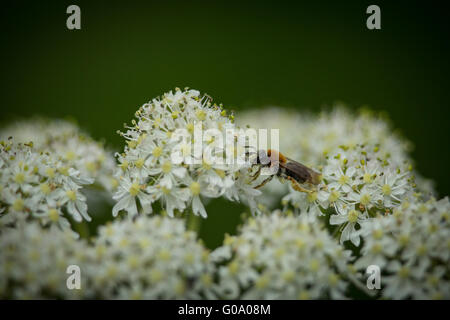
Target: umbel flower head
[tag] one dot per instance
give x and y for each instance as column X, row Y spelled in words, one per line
column 148, row 172
column 149, row 258
column 34, row 262
column 319, row 135
column 411, row 248
column 281, row 256
column 65, row 141
column 36, row 185
column 311, row 139
column 358, row 182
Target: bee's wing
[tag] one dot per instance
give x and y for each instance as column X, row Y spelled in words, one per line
column 300, row 172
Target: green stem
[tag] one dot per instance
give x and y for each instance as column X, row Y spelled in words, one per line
column 82, row 229
column 194, row 222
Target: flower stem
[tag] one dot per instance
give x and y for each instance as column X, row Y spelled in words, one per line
column 194, row 222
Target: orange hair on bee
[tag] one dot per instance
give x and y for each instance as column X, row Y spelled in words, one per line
column 273, row 154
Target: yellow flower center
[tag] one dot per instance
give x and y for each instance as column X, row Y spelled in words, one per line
column 403, row 239
column 166, row 167
column 50, row 172
column 157, row 152
column 314, row 265
column 262, row 282
column 195, row 188
column 164, row 255
column 312, row 196
column 180, row 287
column 206, row 280
column 288, row 276
column 18, row 204
column 353, row 216
column 71, row 195
column 65, row 170
column 190, row 127
column 386, row 189
column 233, row 267
column 421, row 250
column 377, row 248
column 343, row 179
column 334, row 195
column 139, row 163
column 201, row 115
column 134, row 189
column 70, row 155
column 186, row 149
column 220, row 173
column 19, row 178
column 156, row 275
column 53, row 215
column 165, row 190
column 377, row 234
column 333, row 279
column 45, row 188
column 365, row 199
column 206, row 165
column 367, row 178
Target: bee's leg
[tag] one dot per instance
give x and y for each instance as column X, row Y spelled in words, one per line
column 297, row 186
column 264, row 182
column 256, row 175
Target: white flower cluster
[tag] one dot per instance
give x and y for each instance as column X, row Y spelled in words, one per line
column 147, row 173
column 73, row 147
column 412, row 249
column 149, row 258
column 281, row 256
column 311, row 139
column 358, row 182
column 36, row 185
column 34, row 261
column 367, row 199
column 317, row 136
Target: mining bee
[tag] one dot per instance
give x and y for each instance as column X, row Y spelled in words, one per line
column 281, row 166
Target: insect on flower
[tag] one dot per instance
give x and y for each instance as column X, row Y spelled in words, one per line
column 283, row 167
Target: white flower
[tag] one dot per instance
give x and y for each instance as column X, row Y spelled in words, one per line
column 412, row 249
column 350, row 219
column 34, row 262
column 65, row 141
column 279, row 256
column 315, row 139
column 357, row 183
column 152, row 142
column 128, row 191
column 149, row 258
column 34, row 184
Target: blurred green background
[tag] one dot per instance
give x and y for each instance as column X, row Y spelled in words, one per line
column 243, row 54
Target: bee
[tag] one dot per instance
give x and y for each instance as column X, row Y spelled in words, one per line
column 281, row 166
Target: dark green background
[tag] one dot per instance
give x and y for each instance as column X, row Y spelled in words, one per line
column 244, row 54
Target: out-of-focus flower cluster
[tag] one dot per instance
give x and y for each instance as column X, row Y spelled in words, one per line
column 412, row 248
column 66, row 142
column 281, row 256
column 148, row 173
column 150, row 258
column 38, row 185
column 34, row 261
column 311, row 137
